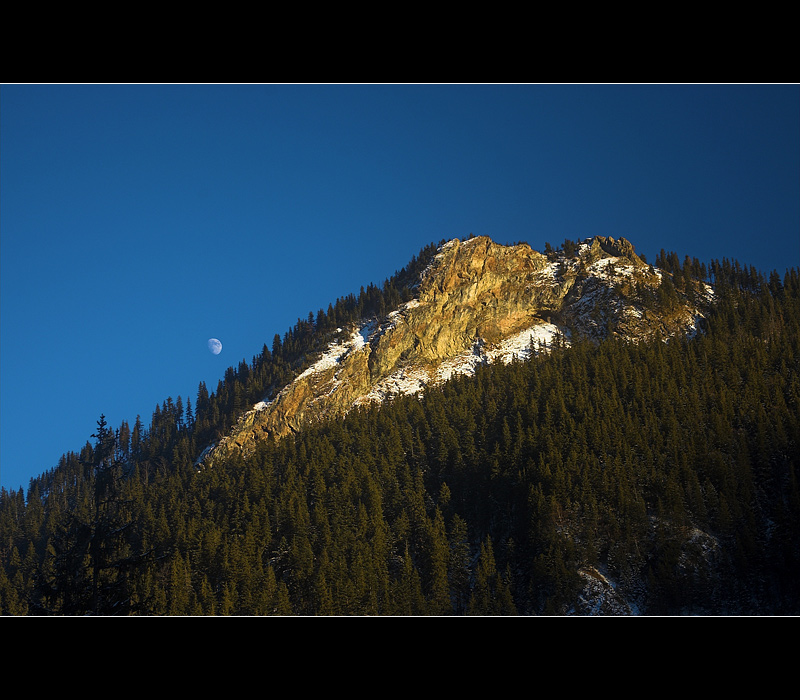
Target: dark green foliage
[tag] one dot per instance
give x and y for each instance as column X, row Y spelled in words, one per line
column 570, row 247
column 672, row 467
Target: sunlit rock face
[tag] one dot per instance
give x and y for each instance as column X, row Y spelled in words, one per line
column 477, row 302
column 475, row 290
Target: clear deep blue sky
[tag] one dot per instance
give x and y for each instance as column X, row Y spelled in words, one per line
column 136, row 222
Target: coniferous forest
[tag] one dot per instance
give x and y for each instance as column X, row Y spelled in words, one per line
column 671, row 467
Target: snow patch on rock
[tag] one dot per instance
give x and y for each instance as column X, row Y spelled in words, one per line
column 414, row 380
column 337, row 350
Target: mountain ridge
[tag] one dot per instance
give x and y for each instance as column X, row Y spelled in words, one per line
column 611, row 474
column 477, row 301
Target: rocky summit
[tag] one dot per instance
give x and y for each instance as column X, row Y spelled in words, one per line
column 478, row 302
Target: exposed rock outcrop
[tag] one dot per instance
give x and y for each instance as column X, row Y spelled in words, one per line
column 477, row 301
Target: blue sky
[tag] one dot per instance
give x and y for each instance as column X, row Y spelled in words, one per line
column 138, row 221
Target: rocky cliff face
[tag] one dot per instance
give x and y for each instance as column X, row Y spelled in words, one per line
column 476, row 302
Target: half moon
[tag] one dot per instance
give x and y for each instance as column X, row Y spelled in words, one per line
column 215, row 346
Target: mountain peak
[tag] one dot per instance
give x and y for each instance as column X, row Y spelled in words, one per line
column 477, row 301
column 615, row 248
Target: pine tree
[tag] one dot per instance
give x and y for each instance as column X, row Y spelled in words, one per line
column 491, row 594
column 458, row 567
column 86, row 570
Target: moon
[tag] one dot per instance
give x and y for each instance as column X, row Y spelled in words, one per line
column 215, row 346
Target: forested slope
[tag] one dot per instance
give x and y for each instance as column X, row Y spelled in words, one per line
column 669, row 467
